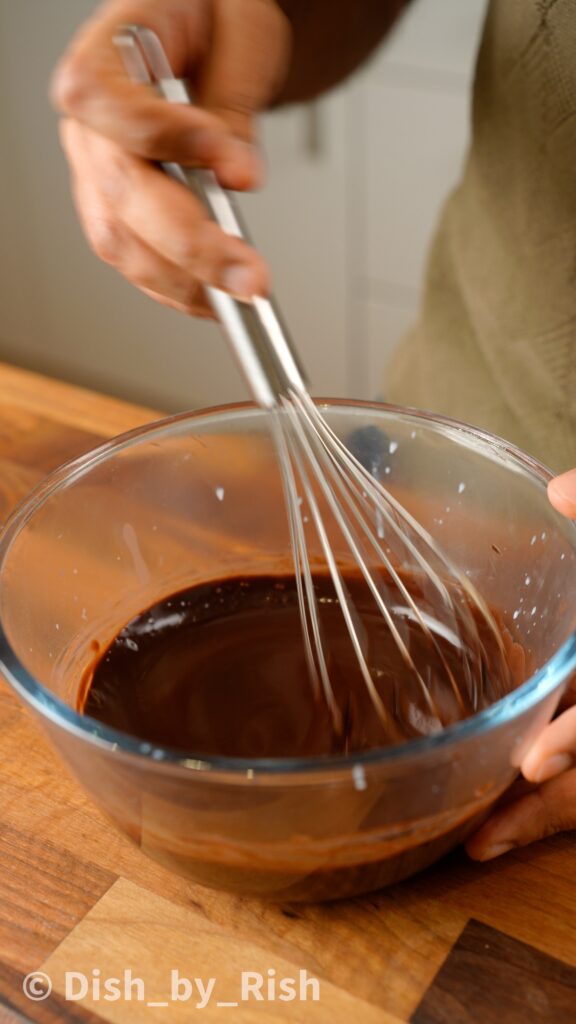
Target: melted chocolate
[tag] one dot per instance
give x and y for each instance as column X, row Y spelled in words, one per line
column 221, row 669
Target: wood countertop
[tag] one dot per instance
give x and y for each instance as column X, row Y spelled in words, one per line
column 460, row 944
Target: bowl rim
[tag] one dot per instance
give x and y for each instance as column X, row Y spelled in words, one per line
column 540, row 685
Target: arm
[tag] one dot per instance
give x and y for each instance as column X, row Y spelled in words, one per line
column 331, row 39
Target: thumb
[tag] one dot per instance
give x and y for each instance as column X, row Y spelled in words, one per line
column 241, row 74
column 542, row 812
column 562, row 493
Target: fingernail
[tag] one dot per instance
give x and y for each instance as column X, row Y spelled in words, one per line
column 239, row 280
column 554, row 766
column 495, row 851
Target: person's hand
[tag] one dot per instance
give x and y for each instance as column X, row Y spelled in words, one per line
column 549, row 806
column 562, row 493
column 235, row 53
column 538, row 811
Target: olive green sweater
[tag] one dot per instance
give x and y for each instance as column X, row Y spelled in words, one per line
column 495, row 343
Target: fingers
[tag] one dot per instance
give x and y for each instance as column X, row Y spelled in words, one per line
column 554, row 751
column 157, row 278
column 91, row 84
column 152, row 229
column 169, row 220
column 546, row 810
column 562, row 493
column 549, row 808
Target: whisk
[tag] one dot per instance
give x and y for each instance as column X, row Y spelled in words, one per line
column 320, row 472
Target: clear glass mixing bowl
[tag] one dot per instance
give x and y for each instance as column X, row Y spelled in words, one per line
column 198, row 497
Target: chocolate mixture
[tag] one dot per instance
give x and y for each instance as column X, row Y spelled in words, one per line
column 221, row 669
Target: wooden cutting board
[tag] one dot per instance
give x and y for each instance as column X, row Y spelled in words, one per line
column 460, row 944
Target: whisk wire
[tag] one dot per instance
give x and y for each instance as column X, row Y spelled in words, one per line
column 314, row 648
column 472, row 661
column 384, row 498
column 346, row 606
column 352, row 496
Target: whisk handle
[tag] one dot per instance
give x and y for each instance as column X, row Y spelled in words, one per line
column 259, row 340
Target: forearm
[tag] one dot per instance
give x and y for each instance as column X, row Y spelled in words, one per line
column 331, row 38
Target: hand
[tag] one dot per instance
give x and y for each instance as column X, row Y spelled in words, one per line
column 549, row 806
column 149, row 227
column 538, row 811
column 562, row 493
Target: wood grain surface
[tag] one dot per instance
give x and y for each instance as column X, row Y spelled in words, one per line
column 508, row 980
column 459, row 944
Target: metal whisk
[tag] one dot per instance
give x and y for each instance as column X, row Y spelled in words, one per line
column 380, row 535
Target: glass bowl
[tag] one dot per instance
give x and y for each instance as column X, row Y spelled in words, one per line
column 198, row 497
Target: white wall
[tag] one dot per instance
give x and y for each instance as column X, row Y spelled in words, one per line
column 345, row 227
column 412, row 132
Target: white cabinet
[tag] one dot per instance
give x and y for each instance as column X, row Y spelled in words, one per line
column 411, row 128
column 345, row 224
column 413, row 151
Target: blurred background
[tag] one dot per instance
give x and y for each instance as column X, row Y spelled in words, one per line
column 355, row 185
